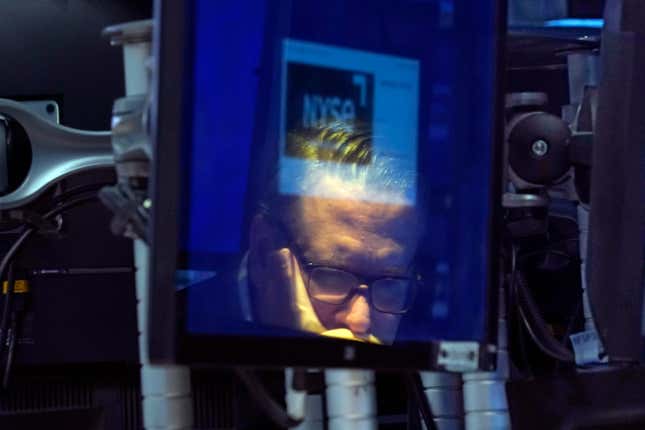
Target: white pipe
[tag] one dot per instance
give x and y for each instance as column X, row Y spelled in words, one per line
column 167, row 402
column 485, row 401
column 166, row 392
column 135, row 57
column 445, row 396
column 351, row 399
column 583, row 228
column 300, row 405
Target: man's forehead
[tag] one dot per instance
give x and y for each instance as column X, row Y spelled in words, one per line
column 354, row 234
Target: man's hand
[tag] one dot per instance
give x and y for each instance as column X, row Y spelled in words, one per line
column 283, row 300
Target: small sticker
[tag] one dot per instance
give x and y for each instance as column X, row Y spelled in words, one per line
column 459, row 356
column 20, row 286
column 586, row 347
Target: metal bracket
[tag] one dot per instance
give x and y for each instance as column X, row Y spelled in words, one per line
column 458, row 356
column 57, row 152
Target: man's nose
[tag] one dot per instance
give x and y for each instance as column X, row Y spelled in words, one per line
column 358, row 315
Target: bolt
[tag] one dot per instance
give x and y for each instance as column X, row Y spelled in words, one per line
column 540, row 148
column 349, row 353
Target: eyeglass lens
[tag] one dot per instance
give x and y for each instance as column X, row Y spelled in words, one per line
column 333, row 286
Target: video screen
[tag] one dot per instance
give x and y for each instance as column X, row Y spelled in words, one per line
column 336, row 176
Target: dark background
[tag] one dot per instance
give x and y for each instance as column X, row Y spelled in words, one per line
column 54, row 50
column 586, row 8
column 77, row 349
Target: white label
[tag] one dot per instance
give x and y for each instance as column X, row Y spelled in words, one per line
column 459, row 356
column 586, row 347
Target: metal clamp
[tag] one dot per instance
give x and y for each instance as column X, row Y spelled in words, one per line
column 57, row 152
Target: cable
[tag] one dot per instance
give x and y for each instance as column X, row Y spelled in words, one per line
column 532, row 319
column 572, row 321
column 537, row 327
column 6, row 263
column 6, row 306
column 513, row 315
column 64, row 196
column 12, row 345
column 273, row 410
column 413, row 380
column 513, row 310
column 535, row 324
column 547, row 252
column 80, row 189
column 64, row 207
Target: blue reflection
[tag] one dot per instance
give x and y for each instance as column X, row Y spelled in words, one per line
column 240, row 102
column 575, row 23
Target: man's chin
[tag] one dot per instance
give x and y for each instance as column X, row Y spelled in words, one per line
column 344, row 333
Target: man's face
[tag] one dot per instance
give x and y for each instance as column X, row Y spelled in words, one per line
column 371, row 240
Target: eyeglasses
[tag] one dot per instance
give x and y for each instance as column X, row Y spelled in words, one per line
column 392, row 295
column 327, row 284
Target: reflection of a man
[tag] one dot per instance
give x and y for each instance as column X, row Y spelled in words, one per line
column 336, row 260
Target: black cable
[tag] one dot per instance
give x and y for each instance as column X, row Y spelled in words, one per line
column 5, row 264
column 75, row 191
column 536, row 325
column 65, row 196
column 413, row 380
column 547, row 252
column 11, row 340
column 513, row 315
column 271, row 408
column 6, row 305
column 64, row 207
column 572, row 321
column 513, row 305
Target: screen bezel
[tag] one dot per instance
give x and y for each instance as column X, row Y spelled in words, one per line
column 167, row 340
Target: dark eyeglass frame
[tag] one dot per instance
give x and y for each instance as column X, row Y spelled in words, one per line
column 309, row 267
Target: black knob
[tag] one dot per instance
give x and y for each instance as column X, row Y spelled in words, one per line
column 538, row 148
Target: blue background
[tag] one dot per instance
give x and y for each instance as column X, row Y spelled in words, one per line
column 234, row 110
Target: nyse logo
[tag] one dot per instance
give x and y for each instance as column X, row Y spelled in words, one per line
column 318, row 109
column 317, row 96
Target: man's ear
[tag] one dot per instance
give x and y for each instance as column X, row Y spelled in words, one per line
column 264, row 239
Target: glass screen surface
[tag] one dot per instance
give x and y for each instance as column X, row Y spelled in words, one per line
column 336, row 176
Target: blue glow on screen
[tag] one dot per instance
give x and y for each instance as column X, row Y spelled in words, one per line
column 224, row 97
column 453, row 44
column 575, row 23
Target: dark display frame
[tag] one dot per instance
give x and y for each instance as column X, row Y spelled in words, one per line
column 167, row 341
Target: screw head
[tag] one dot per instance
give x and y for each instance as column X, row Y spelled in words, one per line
column 349, row 353
column 540, row 148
